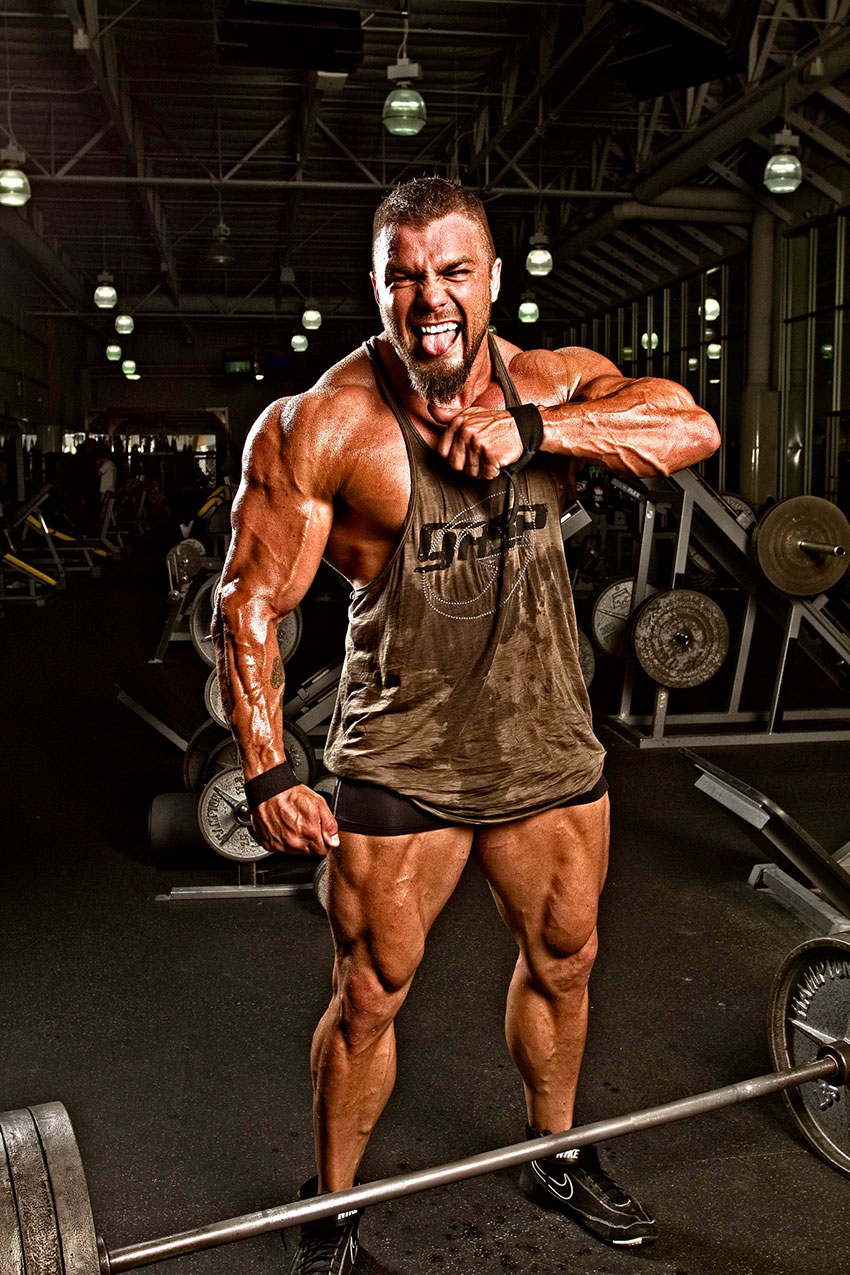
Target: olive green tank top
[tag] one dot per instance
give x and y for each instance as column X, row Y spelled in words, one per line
column 461, row 686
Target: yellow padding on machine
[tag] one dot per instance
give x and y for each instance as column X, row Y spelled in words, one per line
column 63, row 535
column 218, row 497
column 29, row 569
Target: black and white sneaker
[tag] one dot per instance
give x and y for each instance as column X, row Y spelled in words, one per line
column 327, row 1247
column 575, row 1184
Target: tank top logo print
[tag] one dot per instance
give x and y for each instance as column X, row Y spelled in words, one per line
column 474, row 535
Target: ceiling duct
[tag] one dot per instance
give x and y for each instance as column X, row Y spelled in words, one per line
column 671, row 44
column 258, row 33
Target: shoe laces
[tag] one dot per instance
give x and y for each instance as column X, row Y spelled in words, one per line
column 608, row 1188
column 317, row 1251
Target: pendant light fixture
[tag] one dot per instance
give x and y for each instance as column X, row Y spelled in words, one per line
column 311, row 319
column 113, row 353
column 14, row 183
column 529, row 311
column 220, row 252
column 299, row 343
column 783, row 172
column 105, row 296
column 124, row 324
column 539, row 260
column 404, row 113
column 128, row 367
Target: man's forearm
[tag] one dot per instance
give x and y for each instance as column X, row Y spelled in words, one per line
column 649, row 426
column 250, row 673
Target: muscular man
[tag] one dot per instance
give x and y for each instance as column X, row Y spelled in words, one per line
column 462, row 725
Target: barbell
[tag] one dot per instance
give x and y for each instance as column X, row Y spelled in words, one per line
column 46, row 1221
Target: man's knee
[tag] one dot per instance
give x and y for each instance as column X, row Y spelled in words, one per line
column 370, row 995
column 559, row 960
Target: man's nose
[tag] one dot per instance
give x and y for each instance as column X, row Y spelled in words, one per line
column 432, row 293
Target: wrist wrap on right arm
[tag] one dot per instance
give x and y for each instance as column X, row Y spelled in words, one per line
column 270, row 783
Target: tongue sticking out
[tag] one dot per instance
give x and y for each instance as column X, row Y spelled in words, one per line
column 437, row 343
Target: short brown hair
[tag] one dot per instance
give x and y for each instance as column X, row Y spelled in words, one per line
column 425, row 199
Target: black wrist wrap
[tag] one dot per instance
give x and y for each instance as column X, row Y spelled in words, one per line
column 529, row 422
column 269, row 784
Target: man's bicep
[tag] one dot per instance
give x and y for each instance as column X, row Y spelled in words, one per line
column 279, row 537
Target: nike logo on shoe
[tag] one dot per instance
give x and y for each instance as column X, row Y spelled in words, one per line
column 552, row 1184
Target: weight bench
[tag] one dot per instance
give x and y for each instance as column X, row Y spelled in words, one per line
column 806, row 878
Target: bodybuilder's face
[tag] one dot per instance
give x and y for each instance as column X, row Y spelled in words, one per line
column 434, row 287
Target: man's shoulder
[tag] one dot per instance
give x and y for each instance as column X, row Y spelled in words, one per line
column 557, row 375
column 342, row 398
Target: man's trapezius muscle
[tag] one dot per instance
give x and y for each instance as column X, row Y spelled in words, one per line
column 393, row 468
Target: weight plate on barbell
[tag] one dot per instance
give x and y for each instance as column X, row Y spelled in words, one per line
column 680, row 637
column 610, row 613
column 586, row 658
column 809, row 1005
column 51, row 1228
column 781, row 534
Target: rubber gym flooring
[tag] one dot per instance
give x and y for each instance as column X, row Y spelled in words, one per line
column 177, row 1033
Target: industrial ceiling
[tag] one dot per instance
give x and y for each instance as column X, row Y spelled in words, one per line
column 145, row 123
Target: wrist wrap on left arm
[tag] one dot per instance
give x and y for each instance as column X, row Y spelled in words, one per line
column 529, row 422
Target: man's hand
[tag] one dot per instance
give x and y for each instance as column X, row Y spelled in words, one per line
column 297, row 821
column 481, row 441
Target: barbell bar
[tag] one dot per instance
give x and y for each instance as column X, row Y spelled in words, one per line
column 832, row 1063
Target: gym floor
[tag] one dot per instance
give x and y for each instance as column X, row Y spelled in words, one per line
column 177, row 1033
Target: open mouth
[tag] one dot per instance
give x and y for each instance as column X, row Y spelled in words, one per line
column 436, row 339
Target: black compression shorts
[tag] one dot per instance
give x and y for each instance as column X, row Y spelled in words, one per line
column 379, row 812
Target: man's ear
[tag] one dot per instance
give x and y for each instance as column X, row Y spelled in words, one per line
column 495, row 279
column 374, row 284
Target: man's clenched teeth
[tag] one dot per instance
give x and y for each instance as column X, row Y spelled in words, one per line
column 437, row 338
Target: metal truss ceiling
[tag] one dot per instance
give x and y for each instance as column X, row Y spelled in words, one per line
column 134, row 132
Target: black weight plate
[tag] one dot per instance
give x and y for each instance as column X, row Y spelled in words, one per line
column 70, row 1191
column 777, row 544
column 586, row 658
column 200, row 619
column 206, row 738
column 809, row 1005
column 36, row 1217
column 609, row 616
column 680, row 637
